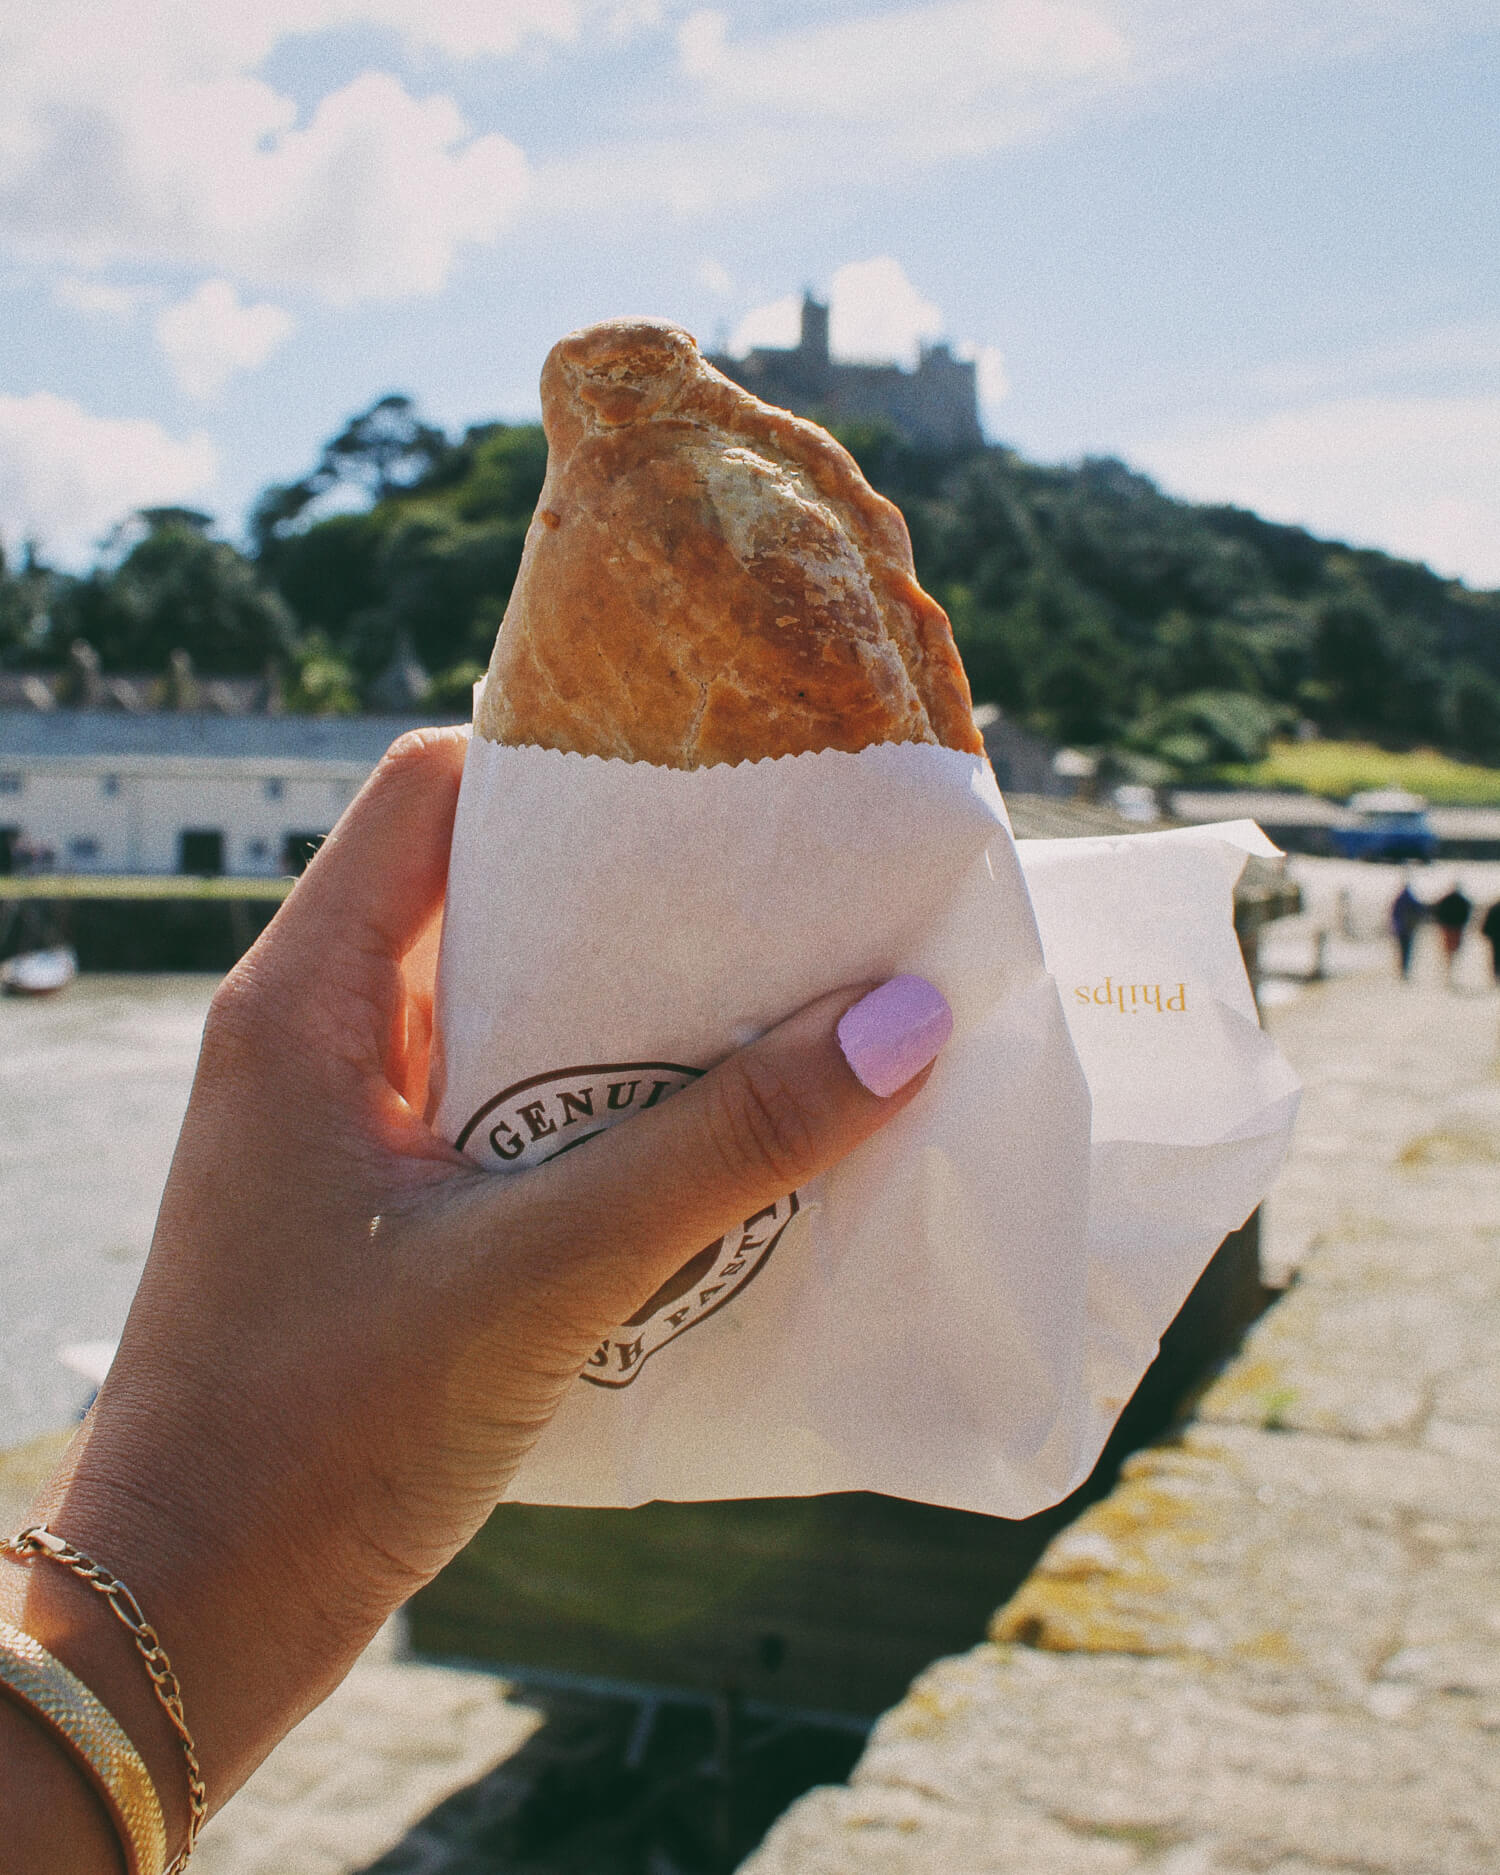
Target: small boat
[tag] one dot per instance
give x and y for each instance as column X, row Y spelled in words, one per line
column 39, row 973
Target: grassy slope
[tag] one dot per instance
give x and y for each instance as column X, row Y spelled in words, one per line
column 1338, row 769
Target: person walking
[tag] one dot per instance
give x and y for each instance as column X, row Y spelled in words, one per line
column 1451, row 914
column 1407, row 914
column 1490, row 930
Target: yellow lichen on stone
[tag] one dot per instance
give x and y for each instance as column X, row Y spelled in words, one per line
column 1065, row 1618
column 1448, row 1146
column 1101, row 1585
column 1270, row 1646
column 1252, row 1393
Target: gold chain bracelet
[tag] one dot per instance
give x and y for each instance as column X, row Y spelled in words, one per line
column 91, row 1736
column 40, row 1541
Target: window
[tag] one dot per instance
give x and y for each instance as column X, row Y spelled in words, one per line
column 83, row 851
column 256, row 849
column 200, row 850
column 109, row 784
column 274, row 789
column 10, row 781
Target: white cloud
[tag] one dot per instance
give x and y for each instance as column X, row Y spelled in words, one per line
column 777, row 324
column 924, row 73
column 761, row 111
column 693, row 176
column 98, row 299
column 1413, row 475
column 714, row 275
column 1441, row 353
column 210, row 336
column 140, row 130
column 993, row 380
column 67, row 476
column 874, row 311
column 1187, row 35
column 864, row 94
column 623, row 18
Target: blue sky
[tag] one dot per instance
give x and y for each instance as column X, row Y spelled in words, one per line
column 1250, row 245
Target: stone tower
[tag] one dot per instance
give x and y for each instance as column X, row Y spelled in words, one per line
column 936, row 406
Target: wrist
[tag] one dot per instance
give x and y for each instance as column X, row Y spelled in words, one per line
column 50, row 1817
column 72, row 1622
column 228, row 1602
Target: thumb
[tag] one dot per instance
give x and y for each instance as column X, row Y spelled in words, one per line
column 624, row 1215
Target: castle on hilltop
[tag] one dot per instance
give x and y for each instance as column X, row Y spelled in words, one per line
column 937, row 405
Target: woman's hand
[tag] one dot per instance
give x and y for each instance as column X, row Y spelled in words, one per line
column 347, row 1337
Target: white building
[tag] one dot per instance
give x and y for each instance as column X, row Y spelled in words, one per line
column 174, row 792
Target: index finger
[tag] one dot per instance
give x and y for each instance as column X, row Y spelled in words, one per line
column 375, row 885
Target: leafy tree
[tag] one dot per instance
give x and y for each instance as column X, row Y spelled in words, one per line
column 28, row 593
column 176, row 588
column 432, row 565
column 1353, row 658
column 381, row 452
column 1208, row 729
column 320, row 681
column 1198, row 654
column 1473, row 711
column 384, row 450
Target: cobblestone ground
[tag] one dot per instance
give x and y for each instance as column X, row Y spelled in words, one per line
column 1275, row 1648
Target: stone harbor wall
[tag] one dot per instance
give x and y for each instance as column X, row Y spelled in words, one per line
column 1276, row 1646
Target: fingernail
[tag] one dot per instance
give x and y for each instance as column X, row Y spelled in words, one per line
column 892, row 1034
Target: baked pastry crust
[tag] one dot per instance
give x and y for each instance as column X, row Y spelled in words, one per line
column 709, row 579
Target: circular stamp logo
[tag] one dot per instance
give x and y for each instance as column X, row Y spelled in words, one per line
column 699, row 1289
column 549, row 1114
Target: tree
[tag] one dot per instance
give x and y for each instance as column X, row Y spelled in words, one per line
column 1352, row 656
column 178, row 589
column 1208, row 729
column 1083, row 599
column 384, row 451
column 320, row 682
column 27, row 595
column 1473, row 711
column 431, row 566
column 1195, row 653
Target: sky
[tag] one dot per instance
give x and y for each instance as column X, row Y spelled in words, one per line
column 1250, row 246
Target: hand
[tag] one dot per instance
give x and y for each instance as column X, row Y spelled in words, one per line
column 347, row 1337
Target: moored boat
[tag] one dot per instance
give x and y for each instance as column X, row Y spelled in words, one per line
column 39, row 973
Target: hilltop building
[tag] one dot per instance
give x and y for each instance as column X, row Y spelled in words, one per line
column 936, row 405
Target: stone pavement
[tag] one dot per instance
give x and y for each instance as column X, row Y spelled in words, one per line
column 395, row 1740
column 1275, row 1648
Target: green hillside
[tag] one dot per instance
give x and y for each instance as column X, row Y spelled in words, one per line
column 1087, row 603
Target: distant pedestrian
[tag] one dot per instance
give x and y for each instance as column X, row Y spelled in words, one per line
column 1491, row 931
column 1451, row 914
column 1407, row 914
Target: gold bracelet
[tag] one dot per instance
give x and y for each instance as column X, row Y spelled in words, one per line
column 40, row 1541
column 93, row 1739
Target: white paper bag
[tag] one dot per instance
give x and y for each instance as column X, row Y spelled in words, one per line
column 1193, row 1106
column 928, row 1319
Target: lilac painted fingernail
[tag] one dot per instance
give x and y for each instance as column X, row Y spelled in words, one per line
column 891, row 1034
